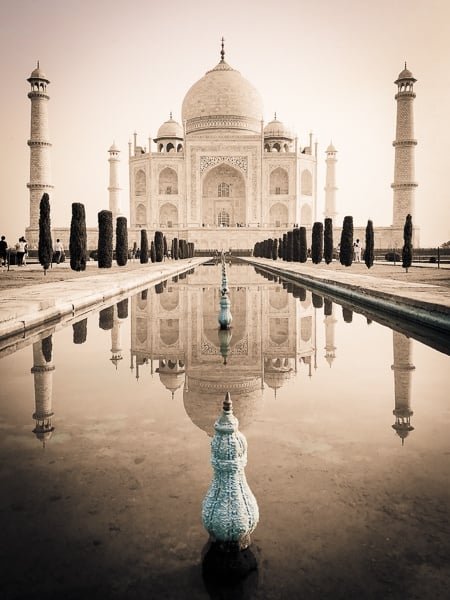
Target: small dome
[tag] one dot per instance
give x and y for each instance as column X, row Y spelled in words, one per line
column 331, row 148
column 404, row 75
column 277, row 129
column 114, row 148
column 38, row 73
column 170, row 129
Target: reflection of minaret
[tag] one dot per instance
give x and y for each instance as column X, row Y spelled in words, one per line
column 330, row 323
column 402, row 368
column 116, row 340
column 43, row 378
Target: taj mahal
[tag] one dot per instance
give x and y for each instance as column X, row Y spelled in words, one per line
column 224, row 179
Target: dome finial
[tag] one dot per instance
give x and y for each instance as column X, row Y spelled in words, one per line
column 405, row 64
column 222, row 52
column 170, row 114
column 274, row 116
column 38, row 64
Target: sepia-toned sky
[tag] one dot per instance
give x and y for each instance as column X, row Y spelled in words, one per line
column 326, row 66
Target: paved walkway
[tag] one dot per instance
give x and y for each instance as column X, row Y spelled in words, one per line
column 25, row 307
column 426, row 304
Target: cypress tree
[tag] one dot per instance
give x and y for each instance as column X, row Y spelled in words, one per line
column 296, row 242
column 280, row 248
column 121, row 241
column 152, row 251
column 159, row 246
column 290, row 246
column 180, row 249
column 303, row 255
column 284, row 246
column 317, row 243
column 407, row 243
column 275, row 249
column 346, row 249
column 328, row 241
column 269, row 248
column 105, row 239
column 369, row 249
column 79, row 332
column 165, row 247
column 144, row 247
column 175, row 248
column 191, row 249
column 45, row 247
column 78, row 238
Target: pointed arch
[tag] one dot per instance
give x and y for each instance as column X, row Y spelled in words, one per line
column 306, row 215
column 278, row 215
column 168, row 215
column 168, row 181
column 140, row 185
column 141, row 215
column 279, row 181
column 306, row 182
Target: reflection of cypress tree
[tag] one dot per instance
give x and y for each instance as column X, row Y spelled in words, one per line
column 183, row 275
column 328, row 241
column 346, row 249
column 121, row 241
column 144, row 247
column 317, row 300
column 328, row 307
column 369, row 321
column 164, row 283
column 317, row 243
column 79, row 332
column 144, row 294
column 303, row 248
column 347, row 314
column 47, row 347
column 175, row 278
column 105, row 239
column 368, row 251
column 302, row 293
column 106, row 318
column 159, row 288
column 122, row 309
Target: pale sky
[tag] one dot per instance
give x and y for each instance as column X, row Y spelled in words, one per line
column 326, row 66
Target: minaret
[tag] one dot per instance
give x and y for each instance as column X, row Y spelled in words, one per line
column 114, row 189
column 402, row 368
column 40, row 174
column 43, row 379
column 404, row 171
column 330, row 183
column 330, row 323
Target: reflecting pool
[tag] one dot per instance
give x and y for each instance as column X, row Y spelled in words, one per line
column 105, row 429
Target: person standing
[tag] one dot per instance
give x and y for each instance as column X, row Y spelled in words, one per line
column 20, row 250
column 3, row 251
column 59, row 249
column 357, row 250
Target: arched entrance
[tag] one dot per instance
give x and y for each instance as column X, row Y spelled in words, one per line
column 223, row 197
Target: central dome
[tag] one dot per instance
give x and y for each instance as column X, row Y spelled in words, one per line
column 222, row 99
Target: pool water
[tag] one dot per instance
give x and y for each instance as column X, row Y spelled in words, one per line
column 105, row 430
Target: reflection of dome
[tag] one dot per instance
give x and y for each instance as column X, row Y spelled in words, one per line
column 222, row 99
column 172, row 381
column 43, row 431
column 204, row 398
column 170, row 129
column 276, row 372
column 277, row 379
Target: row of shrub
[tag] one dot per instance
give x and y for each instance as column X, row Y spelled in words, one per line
column 156, row 252
column 292, row 245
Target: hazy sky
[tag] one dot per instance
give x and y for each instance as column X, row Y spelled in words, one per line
column 326, row 66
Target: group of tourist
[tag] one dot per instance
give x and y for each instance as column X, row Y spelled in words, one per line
column 21, row 249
